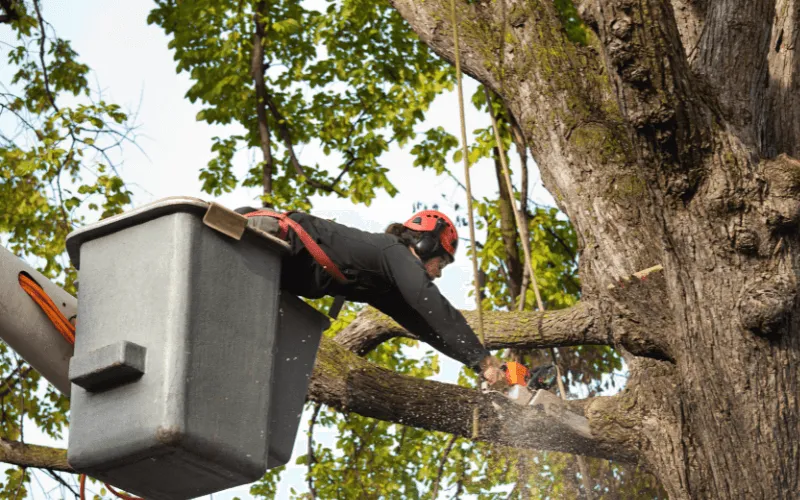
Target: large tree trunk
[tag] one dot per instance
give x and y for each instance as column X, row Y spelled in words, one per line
column 667, row 139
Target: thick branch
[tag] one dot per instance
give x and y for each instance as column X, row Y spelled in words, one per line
column 631, row 316
column 31, row 455
column 563, row 96
column 351, row 384
column 431, row 21
column 348, row 383
column 577, row 325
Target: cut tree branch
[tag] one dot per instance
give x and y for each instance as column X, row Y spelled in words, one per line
column 349, row 383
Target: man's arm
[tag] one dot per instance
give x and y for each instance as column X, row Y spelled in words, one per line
column 420, row 308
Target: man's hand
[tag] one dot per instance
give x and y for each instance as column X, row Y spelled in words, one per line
column 492, row 372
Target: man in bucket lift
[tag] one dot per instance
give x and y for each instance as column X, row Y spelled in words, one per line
column 393, row 272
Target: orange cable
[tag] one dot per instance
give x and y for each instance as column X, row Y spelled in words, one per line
column 123, row 496
column 62, row 324
column 118, row 494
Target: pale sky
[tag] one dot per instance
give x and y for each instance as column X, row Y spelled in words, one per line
column 133, row 66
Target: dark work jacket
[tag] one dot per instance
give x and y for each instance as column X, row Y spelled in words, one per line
column 383, row 273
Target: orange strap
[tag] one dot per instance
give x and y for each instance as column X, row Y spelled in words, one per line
column 52, row 311
column 67, row 330
column 318, row 253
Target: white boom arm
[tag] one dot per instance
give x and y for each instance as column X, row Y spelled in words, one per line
column 27, row 329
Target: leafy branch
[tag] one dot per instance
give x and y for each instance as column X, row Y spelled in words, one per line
column 286, row 137
column 11, row 10
column 312, row 459
column 442, row 461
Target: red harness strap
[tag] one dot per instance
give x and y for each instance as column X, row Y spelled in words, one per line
column 319, row 255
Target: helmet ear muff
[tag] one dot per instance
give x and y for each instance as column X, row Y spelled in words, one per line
column 435, row 234
column 429, row 243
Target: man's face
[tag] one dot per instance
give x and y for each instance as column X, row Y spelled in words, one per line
column 434, row 266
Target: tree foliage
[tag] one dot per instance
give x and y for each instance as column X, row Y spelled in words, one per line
column 55, row 139
column 58, row 138
column 348, row 78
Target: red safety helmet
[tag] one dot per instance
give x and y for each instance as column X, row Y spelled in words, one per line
column 437, row 223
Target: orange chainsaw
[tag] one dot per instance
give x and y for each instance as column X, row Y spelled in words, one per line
column 520, row 383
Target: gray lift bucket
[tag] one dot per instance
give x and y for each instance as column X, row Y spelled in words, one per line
column 190, row 368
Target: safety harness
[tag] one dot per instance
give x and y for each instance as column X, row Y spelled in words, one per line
column 319, row 255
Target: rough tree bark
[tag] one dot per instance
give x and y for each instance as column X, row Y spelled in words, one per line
column 668, row 138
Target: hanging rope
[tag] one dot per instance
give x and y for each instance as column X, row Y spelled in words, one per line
column 523, row 232
column 531, row 273
column 465, row 156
